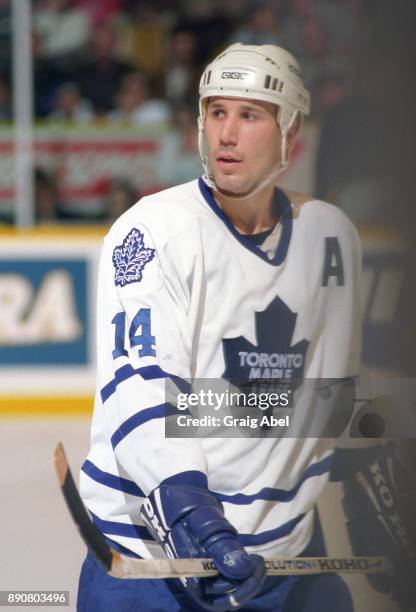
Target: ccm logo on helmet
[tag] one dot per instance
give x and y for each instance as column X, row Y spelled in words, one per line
column 234, row 75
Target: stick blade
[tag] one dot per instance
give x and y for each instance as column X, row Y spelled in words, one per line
column 91, row 535
column 61, row 463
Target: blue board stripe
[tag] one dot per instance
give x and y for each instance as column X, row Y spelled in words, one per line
column 111, row 480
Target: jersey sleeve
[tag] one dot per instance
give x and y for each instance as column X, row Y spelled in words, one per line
column 344, row 333
column 144, row 341
column 340, row 280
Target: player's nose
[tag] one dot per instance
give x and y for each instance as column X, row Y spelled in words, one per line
column 229, row 131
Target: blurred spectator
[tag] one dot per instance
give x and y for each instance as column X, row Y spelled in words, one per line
column 345, row 22
column 330, row 90
column 159, row 6
column 5, row 105
column 144, row 35
column 260, row 27
column 47, row 77
column 134, row 104
column 99, row 11
column 100, row 76
column 69, row 106
column 179, row 157
column 315, row 56
column 5, row 35
column 46, row 197
column 365, row 157
column 211, row 24
column 291, row 29
column 120, row 197
column 359, row 151
column 63, row 28
column 308, row 39
column 310, row 33
column 315, row 38
column 181, row 69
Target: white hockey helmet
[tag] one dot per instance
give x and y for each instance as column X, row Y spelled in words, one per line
column 256, row 72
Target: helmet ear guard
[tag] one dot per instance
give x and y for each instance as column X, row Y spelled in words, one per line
column 265, row 72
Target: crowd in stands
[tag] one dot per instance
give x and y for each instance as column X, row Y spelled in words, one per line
column 86, row 50
column 137, row 62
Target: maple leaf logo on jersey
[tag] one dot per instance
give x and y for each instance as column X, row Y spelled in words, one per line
column 274, row 356
column 130, row 258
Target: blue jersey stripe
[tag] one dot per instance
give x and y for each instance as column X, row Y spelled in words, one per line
column 121, row 374
column 121, row 529
column 152, row 372
column 112, row 481
column 193, row 478
column 197, row 478
column 148, row 414
column 249, row 539
column 147, row 373
column 281, row 495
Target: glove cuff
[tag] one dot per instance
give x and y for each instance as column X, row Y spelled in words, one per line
column 175, row 502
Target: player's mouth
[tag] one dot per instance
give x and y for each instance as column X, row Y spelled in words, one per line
column 227, row 160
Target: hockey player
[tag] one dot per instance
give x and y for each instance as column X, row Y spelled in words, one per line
column 225, row 277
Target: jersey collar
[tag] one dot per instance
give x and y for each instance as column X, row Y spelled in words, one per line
column 286, row 221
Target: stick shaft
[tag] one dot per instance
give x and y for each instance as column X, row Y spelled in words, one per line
column 128, row 567
column 122, row 566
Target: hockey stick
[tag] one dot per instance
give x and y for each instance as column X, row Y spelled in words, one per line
column 123, row 566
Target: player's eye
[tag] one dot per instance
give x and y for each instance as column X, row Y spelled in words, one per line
column 250, row 115
column 216, row 112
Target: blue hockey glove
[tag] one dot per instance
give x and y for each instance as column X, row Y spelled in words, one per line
column 189, row 522
column 380, row 506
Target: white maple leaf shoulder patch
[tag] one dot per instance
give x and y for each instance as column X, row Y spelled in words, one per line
column 130, row 258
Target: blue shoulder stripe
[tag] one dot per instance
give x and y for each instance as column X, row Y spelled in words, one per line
column 248, row 539
column 111, row 480
column 147, row 373
column 281, row 495
column 121, row 529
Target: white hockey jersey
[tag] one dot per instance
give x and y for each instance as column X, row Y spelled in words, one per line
column 183, row 295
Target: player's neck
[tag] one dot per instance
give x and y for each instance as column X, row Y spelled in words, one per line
column 250, row 215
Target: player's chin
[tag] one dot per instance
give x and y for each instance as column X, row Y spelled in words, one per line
column 229, row 184
column 233, row 188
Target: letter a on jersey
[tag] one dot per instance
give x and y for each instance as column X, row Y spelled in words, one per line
column 333, row 264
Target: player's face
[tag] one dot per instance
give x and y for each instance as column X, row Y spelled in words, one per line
column 243, row 140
